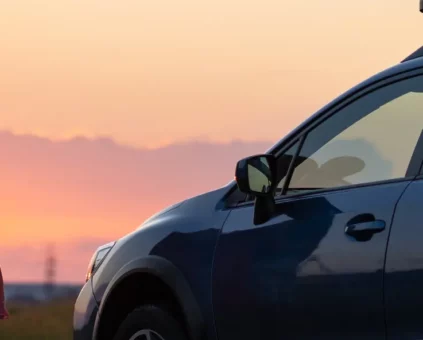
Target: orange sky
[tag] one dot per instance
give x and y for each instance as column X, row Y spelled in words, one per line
column 154, row 73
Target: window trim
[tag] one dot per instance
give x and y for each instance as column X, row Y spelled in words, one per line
column 318, row 192
column 414, row 169
column 416, row 161
column 291, row 167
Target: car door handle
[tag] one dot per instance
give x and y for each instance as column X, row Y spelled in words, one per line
column 370, row 227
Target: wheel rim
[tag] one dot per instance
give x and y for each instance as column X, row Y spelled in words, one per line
column 146, row 334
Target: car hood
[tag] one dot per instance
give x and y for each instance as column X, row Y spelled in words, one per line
column 161, row 213
column 205, row 201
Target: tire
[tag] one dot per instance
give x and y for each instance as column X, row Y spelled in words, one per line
column 150, row 323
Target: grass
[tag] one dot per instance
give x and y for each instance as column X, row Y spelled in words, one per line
column 52, row 321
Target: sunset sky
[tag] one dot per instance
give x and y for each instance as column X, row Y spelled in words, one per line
column 95, row 96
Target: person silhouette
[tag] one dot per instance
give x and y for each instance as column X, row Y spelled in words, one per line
column 3, row 311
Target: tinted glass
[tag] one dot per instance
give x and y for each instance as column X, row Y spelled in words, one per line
column 370, row 140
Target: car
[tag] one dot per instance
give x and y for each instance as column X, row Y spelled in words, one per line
column 320, row 237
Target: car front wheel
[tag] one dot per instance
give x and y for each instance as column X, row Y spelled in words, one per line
column 150, row 323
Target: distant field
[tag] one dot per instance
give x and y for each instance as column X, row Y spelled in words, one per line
column 51, row 321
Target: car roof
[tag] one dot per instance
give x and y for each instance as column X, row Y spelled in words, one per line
column 412, row 62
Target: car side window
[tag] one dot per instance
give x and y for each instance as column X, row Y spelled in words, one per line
column 370, row 140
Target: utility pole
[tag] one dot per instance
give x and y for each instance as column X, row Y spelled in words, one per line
column 50, row 272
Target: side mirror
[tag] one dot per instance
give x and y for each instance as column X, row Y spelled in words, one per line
column 256, row 175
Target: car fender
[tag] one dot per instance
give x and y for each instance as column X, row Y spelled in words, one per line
column 172, row 277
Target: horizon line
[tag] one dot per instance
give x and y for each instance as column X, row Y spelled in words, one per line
column 109, row 138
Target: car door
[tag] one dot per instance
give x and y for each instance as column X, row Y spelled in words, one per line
column 404, row 267
column 315, row 269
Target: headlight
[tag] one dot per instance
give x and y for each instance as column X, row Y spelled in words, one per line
column 98, row 258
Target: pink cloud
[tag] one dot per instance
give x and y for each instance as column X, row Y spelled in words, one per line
column 93, row 190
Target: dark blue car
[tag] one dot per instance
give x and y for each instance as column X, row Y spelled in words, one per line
column 321, row 237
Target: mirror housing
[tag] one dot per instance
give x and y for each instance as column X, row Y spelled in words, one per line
column 256, row 175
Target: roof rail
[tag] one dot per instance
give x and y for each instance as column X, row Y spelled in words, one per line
column 415, row 54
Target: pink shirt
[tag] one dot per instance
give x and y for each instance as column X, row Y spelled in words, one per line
column 3, row 311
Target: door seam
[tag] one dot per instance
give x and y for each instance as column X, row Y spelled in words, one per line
column 212, row 273
column 386, row 254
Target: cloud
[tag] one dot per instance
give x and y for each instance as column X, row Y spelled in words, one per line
column 26, row 262
column 81, row 193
